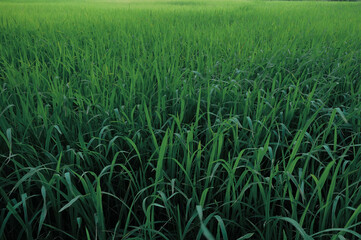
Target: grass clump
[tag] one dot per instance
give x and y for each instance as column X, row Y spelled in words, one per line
column 180, row 120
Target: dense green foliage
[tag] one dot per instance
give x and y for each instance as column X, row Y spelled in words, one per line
column 180, row 120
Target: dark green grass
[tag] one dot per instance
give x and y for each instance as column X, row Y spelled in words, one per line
column 180, row 120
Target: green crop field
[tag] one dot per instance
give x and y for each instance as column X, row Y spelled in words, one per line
column 180, row 119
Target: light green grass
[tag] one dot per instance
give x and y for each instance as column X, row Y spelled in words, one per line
column 180, row 120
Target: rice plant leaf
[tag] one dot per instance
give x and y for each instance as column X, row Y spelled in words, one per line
column 70, row 203
column 300, row 230
column 247, row 236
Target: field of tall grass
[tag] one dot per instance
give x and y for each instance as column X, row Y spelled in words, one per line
column 180, row 120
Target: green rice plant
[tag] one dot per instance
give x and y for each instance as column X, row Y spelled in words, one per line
column 180, row 120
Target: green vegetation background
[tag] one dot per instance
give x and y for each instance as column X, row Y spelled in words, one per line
column 180, row 120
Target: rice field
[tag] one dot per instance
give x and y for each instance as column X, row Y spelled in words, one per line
column 169, row 119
